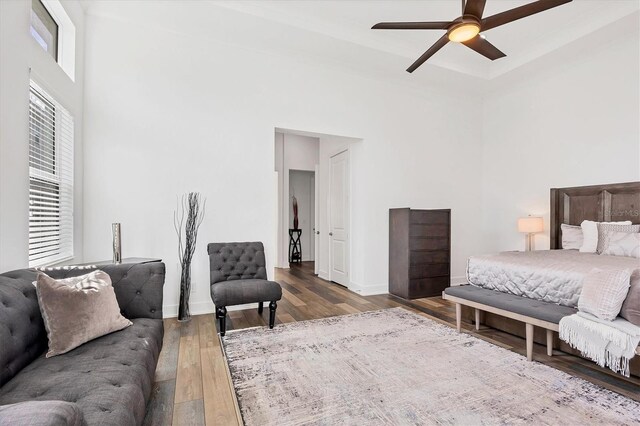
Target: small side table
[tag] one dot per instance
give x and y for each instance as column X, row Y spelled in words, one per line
column 295, row 247
column 125, row 260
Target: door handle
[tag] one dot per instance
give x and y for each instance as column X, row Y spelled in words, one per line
column 331, row 234
column 317, row 232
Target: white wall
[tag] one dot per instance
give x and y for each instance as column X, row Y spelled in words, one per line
column 301, row 186
column 571, row 118
column 21, row 58
column 163, row 132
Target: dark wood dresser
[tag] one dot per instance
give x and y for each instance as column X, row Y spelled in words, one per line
column 419, row 252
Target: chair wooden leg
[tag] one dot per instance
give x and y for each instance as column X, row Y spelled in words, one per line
column 260, row 308
column 458, row 316
column 478, row 311
column 549, row 342
column 272, row 313
column 221, row 314
column 529, row 333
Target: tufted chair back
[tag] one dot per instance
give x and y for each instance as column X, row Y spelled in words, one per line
column 236, row 261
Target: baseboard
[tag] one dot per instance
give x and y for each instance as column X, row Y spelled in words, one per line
column 369, row 290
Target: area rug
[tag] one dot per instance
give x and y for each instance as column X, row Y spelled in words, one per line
column 394, row 367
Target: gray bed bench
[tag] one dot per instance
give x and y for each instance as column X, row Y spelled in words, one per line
column 534, row 313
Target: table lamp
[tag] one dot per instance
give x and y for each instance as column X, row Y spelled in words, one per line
column 529, row 226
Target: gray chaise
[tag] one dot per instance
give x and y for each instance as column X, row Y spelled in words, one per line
column 106, row 381
column 239, row 276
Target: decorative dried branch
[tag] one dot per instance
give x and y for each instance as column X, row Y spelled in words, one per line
column 190, row 213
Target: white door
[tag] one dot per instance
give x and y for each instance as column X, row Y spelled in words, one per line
column 316, row 221
column 339, row 218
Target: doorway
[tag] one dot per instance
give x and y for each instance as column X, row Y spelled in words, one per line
column 302, row 184
column 314, row 170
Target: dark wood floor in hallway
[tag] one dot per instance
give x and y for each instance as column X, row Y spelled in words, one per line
column 192, row 384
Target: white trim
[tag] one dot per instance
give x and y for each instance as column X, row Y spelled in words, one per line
column 66, row 37
column 369, row 290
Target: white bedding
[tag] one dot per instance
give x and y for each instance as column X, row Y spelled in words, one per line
column 550, row 275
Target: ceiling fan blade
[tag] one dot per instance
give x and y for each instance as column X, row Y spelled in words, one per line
column 520, row 12
column 475, row 8
column 411, row 26
column 429, row 53
column 484, row 48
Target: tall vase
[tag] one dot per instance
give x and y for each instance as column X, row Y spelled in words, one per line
column 117, row 243
column 184, row 314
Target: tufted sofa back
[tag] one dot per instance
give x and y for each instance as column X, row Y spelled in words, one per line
column 236, row 261
column 23, row 338
column 22, row 334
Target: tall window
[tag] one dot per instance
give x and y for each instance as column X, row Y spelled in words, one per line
column 50, row 180
column 44, row 28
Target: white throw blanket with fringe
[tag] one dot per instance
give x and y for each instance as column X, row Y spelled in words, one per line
column 610, row 344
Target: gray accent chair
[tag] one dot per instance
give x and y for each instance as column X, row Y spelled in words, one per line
column 106, row 381
column 239, row 276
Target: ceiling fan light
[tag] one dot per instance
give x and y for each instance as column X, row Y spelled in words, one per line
column 463, row 32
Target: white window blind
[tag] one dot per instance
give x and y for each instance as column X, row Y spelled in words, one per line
column 50, row 180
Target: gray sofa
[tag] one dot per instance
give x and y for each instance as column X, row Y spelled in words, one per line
column 106, row 381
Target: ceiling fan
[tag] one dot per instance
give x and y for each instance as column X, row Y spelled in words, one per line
column 466, row 28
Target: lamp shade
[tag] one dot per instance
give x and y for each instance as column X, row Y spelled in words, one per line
column 530, row 224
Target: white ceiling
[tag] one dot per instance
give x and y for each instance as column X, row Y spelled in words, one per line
column 338, row 33
column 522, row 40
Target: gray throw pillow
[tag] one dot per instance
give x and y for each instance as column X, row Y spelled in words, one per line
column 604, row 292
column 605, row 230
column 631, row 306
column 571, row 236
column 77, row 310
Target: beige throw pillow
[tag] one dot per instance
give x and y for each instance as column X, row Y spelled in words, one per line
column 603, row 293
column 77, row 310
column 631, row 307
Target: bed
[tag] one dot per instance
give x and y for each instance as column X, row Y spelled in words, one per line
column 552, row 277
column 549, row 275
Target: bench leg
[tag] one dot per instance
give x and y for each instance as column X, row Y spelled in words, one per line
column 529, row 333
column 478, row 312
column 550, row 342
column 458, row 317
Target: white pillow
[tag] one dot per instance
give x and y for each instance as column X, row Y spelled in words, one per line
column 622, row 244
column 571, row 236
column 605, row 230
column 603, row 293
column 590, row 235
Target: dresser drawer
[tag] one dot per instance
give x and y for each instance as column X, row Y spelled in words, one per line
column 429, row 270
column 422, row 257
column 428, row 243
column 427, row 287
column 429, row 230
column 429, row 216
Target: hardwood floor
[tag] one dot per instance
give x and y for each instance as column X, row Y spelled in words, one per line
column 192, row 384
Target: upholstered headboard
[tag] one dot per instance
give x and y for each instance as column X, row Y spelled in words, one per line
column 603, row 203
